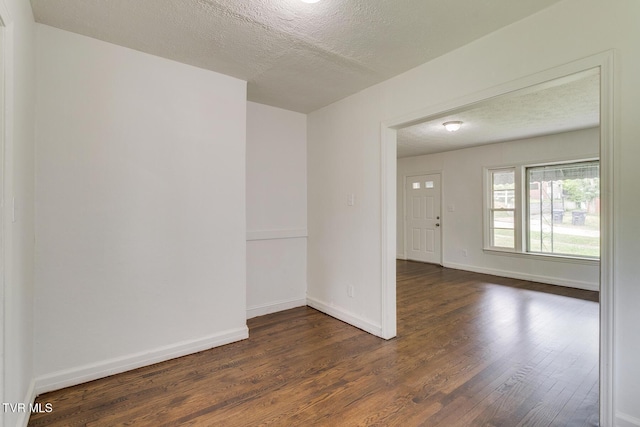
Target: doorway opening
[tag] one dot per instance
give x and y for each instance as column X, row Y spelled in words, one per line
column 391, row 171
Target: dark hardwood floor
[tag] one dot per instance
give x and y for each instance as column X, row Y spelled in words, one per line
column 472, row 350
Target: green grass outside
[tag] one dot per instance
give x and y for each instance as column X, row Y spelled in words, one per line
column 568, row 244
column 563, row 244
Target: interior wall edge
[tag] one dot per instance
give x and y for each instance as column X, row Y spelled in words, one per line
column 29, row 399
column 346, row 316
column 274, row 307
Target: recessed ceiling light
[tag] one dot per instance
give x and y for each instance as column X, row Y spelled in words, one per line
column 452, row 126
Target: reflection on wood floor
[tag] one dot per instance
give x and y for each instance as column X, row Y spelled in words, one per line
column 472, row 350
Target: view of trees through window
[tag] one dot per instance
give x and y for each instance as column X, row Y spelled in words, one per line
column 560, row 212
column 563, row 208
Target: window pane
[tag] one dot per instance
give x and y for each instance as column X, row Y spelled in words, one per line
column 503, row 189
column 504, row 199
column 503, row 179
column 503, row 229
column 563, row 207
column 428, row 184
column 503, row 238
column 416, row 185
column 502, row 209
column 503, row 219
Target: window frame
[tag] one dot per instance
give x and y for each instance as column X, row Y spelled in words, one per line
column 527, row 207
column 489, row 209
column 521, row 223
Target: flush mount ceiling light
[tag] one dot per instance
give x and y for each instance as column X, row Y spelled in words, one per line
column 452, row 126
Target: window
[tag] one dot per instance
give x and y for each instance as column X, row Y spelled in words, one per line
column 549, row 209
column 502, row 210
column 563, row 213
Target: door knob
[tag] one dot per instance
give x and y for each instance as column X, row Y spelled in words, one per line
column 437, row 225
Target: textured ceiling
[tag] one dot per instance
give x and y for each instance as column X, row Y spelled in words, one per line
column 563, row 105
column 294, row 55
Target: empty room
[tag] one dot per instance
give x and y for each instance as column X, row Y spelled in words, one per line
column 242, row 212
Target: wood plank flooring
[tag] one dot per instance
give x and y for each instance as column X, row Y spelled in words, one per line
column 472, row 350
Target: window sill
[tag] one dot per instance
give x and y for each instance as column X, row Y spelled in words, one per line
column 543, row 257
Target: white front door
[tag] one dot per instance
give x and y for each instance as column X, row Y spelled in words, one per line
column 422, row 215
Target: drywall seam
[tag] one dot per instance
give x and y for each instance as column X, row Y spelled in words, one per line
column 93, row 371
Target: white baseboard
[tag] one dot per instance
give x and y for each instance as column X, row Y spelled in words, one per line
column 401, row 256
column 345, row 316
column 29, row 399
column 524, row 276
column 275, row 307
column 93, row 371
column 624, row 420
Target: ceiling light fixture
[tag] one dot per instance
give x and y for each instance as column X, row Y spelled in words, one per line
column 452, row 126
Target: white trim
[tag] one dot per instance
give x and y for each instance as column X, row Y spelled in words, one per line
column 543, row 257
column 93, row 371
column 274, row 307
column 588, row 286
column 345, row 316
column 487, row 207
column 3, row 210
column 388, row 224
column 401, row 256
column 624, row 420
column 6, row 181
column 30, row 398
column 546, row 160
column 290, row 233
column 610, row 182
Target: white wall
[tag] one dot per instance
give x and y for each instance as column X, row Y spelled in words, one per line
column 462, row 188
column 344, row 156
column 17, row 324
column 140, row 213
column 276, row 209
column 344, row 240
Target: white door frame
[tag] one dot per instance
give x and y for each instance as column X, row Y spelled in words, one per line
column 404, row 211
column 608, row 182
